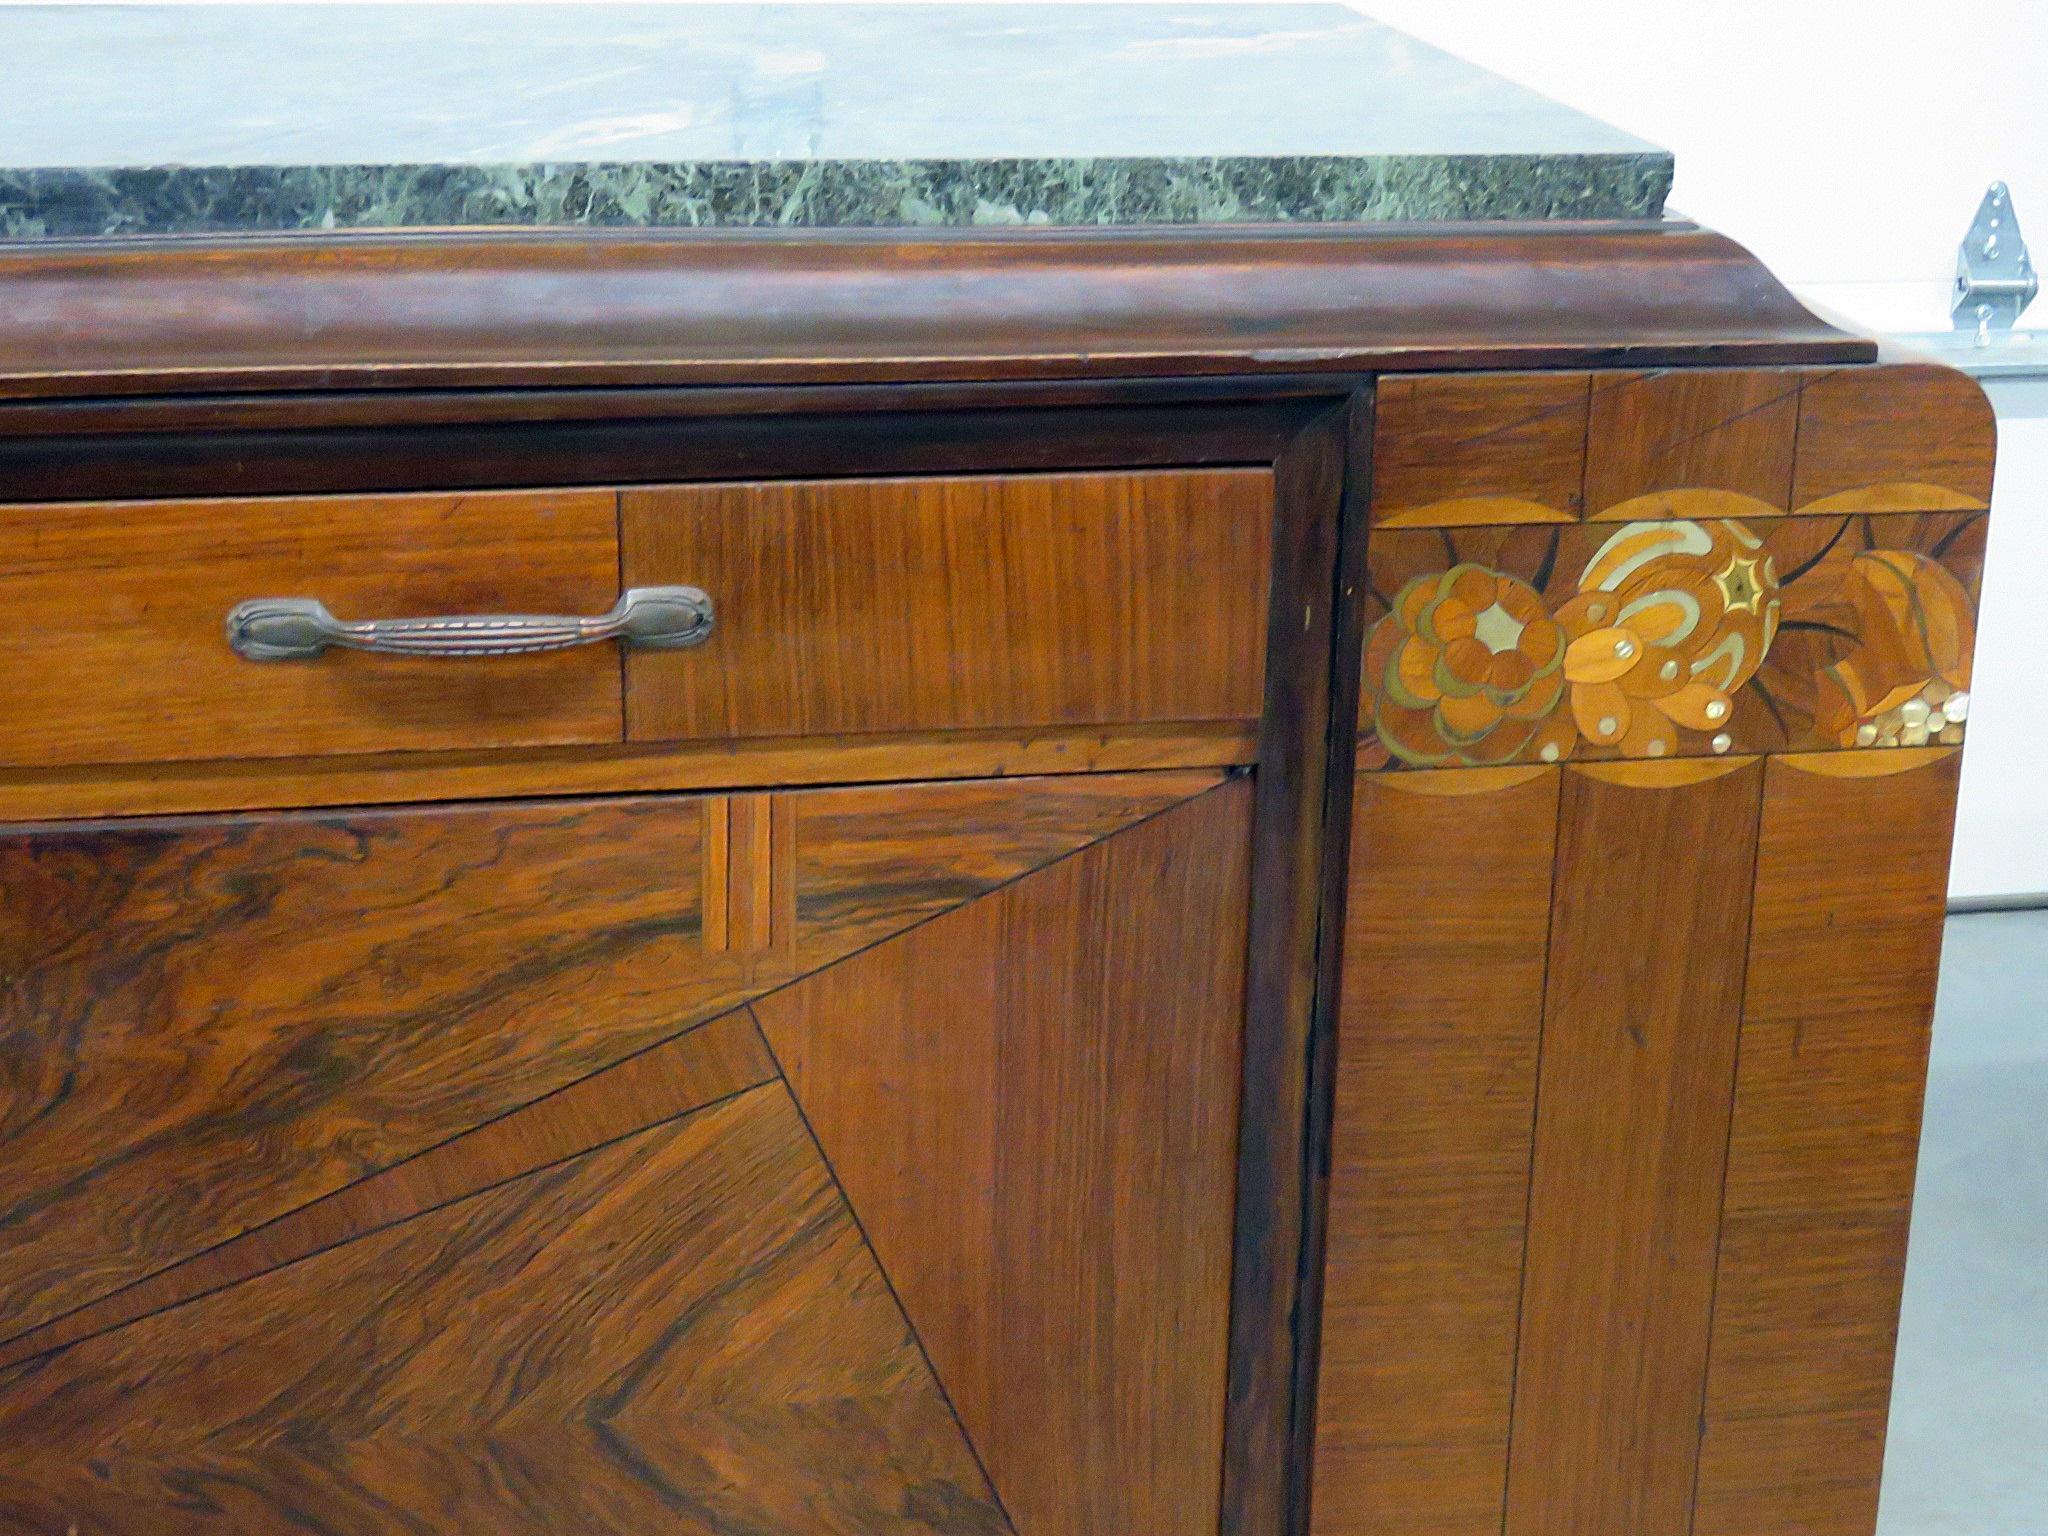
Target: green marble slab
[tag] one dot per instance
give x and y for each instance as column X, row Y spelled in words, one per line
column 119, row 120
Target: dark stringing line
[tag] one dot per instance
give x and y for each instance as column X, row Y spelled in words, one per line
column 1816, row 627
column 1544, row 571
column 1806, row 565
column 1942, row 544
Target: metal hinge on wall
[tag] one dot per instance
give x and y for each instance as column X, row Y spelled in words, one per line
column 1995, row 277
column 1995, row 281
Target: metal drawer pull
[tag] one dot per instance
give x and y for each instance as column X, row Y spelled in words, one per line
column 294, row 628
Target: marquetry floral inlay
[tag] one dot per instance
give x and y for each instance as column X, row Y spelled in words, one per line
column 1648, row 640
column 1907, row 682
column 1468, row 664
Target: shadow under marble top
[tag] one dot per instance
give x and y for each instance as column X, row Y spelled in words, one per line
column 139, row 119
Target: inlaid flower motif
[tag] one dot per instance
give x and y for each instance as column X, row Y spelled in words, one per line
column 1467, row 667
column 1907, row 681
column 1670, row 619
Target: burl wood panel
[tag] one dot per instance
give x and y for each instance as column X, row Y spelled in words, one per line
column 1446, row 930
column 680, row 1331
column 1907, row 437
column 1641, row 1013
column 1850, row 890
column 114, row 648
column 1451, row 448
column 1670, row 638
column 1031, row 1104
column 895, row 605
column 708, row 1063
column 211, row 1021
column 1691, row 442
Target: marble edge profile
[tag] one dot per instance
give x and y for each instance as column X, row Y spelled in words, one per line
column 89, row 202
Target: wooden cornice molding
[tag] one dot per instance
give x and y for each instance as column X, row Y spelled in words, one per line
column 521, row 309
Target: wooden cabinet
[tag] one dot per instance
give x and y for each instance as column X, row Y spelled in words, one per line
column 1281, row 903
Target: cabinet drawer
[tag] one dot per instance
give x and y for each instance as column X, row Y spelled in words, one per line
column 903, row 605
column 112, row 646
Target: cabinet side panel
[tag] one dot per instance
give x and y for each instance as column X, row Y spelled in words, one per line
column 1849, row 899
column 1452, row 448
column 1446, row 923
column 1691, row 442
column 1641, row 1013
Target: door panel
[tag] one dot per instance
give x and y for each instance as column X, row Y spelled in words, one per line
column 1032, row 1104
column 210, row 1021
column 537, row 1248
column 677, row 1331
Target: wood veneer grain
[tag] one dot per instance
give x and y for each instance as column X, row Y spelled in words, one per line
column 1642, row 1009
column 1453, row 448
column 1850, row 891
column 1447, row 927
column 904, row 605
column 114, row 648
column 681, row 1330
column 1031, row 1103
column 1899, row 437
column 214, row 1021
column 711, row 1062
column 1690, row 442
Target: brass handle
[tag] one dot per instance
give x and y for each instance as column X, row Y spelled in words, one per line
column 295, row 628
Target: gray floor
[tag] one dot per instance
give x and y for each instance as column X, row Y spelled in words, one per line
column 1968, row 1450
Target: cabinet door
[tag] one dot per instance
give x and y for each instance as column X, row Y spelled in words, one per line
column 843, row 1160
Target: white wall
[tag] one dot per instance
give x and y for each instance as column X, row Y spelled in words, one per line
column 1847, row 143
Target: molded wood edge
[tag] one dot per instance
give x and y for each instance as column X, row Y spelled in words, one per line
column 525, row 308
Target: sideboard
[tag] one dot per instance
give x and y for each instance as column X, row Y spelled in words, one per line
column 1220, row 880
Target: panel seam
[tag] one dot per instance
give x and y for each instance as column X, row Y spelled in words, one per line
column 882, row 1269
column 1226, row 777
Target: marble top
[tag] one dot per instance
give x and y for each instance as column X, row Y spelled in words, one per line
column 154, row 119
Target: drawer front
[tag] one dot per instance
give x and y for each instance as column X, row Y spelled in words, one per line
column 113, row 647
column 905, row 605
column 502, row 1132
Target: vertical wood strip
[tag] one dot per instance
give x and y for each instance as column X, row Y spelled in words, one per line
column 782, row 873
column 751, row 898
column 749, row 873
column 1304, row 761
column 1850, row 887
column 1641, row 1016
column 1445, row 934
column 717, row 844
